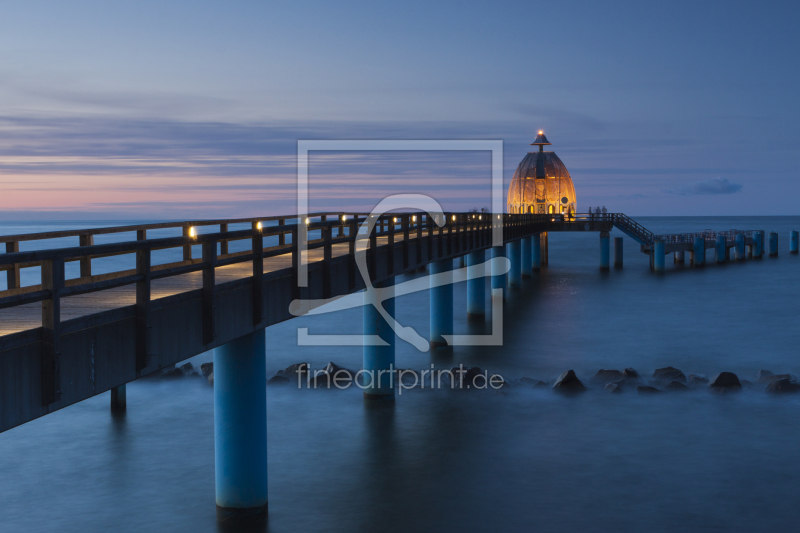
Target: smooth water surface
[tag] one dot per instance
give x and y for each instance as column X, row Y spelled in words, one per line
column 521, row 460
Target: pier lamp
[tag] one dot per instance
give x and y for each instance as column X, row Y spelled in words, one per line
column 307, row 221
column 454, row 218
column 344, row 217
column 395, row 220
column 192, row 232
column 414, row 218
column 258, row 225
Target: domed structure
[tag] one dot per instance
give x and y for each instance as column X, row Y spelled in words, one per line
column 541, row 183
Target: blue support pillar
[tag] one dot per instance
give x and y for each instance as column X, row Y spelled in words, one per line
column 441, row 304
column 658, row 256
column 739, row 250
column 119, row 401
column 515, row 272
column 721, row 249
column 527, row 258
column 758, row 245
column 699, row 255
column 498, row 276
column 476, row 285
column 773, row 244
column 240, row 429
column 378, row 361
column 618, row 242
column 794, row 242
column 605, row 250
column 679, row 257
column 536, row 252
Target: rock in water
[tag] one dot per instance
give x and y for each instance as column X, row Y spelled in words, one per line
column 210, row 379
column 291, row 371
column 631, row 374
column 646, row 389
column 764, row 376
column 676, row 385
column 343, row 373
column 206, row 369
column 695, row 380
column 613, row 388
column 172, row 373
column 276, row 380
column 783, row 385
column 725, row 382
column 189, row 371
column 607, row 376
column 668, row 374
column 569, row 382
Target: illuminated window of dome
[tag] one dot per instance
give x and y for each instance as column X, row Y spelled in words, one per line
column 541, row 183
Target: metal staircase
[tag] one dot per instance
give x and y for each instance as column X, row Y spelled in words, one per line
column 632, row 229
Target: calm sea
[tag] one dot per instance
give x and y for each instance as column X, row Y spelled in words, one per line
column 527, row 460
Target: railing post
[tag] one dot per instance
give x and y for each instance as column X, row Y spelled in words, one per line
column 223, row 244
column 327, row 255
column 53, row 281
column 351, row 252
column 86, row 262
column 295, row 262
column 282, row 236
column 187, row 248
column 390, row 223
column 404, row 221
column 418, row 220
column 372, row 264
column 142, row 303
column 12, row 274
column 258, row 274
column 209, row 282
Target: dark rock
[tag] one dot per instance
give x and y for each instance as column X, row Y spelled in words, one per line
column 668, row 374
column 469, row 378
column 291, row 371
column 725, row 382
column 189, row 371
column 696, row 380
column 764, row 376
column 335, row 370
column 631, row 374
column 210, row 379
column 606, row 376
column 746, row 384
column 676, row 385
column 206, row 369
column 783, row 385
column 277, row 380
column 172, row 373
column 773, row 377
column 613, row 388
column 646, row 389
column 569, row 382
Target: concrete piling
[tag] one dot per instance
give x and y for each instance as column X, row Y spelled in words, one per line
column 758, row 245
column 441, row 305
column 515, row 272
column 604, row 250
column 118, row 399
column 498, row 276
column 618, row 252
column 240, row 429
column 679, row 257
column 658, row 256
column 378, row 361
column 720, row 251
column 773, row 244
column 699, row 254
column 739, row 247
column 536, row 253
column 794, row 241
column 527, row 257
column 476, row 285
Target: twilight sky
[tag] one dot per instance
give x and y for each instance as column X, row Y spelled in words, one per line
column 167, row 110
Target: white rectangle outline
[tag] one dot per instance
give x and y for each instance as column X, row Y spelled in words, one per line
column 305, row 146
